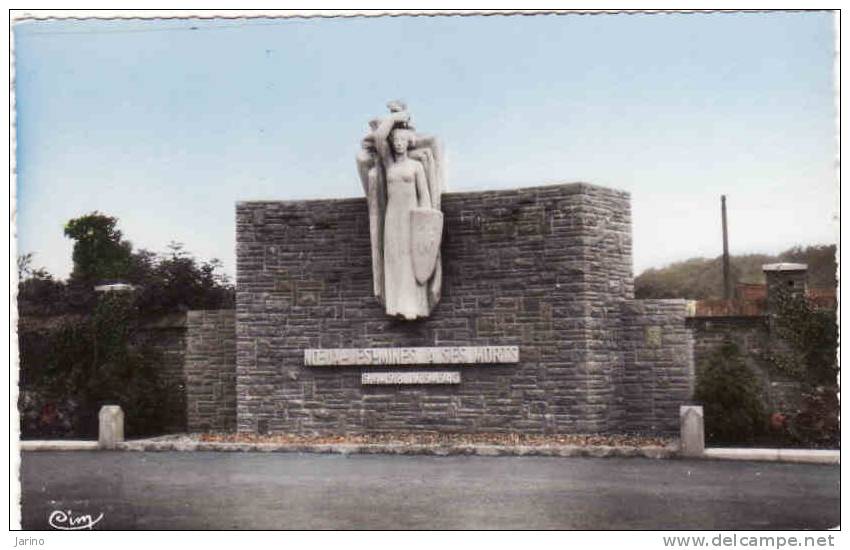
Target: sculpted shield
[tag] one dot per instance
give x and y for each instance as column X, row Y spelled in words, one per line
column 426, row 231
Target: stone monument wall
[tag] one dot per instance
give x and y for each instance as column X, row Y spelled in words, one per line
column 546, row 269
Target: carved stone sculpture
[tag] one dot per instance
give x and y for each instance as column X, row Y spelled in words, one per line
column 401, row 173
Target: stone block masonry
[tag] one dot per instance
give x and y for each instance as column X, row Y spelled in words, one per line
column 658, row 374
column 547, row 269
column 210, row 369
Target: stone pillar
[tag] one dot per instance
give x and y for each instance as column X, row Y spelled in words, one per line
column 784, row 279
column 110, row 426
column 692, row 431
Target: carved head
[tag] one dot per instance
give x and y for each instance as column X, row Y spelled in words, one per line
column 396, row 105
column 401, row 139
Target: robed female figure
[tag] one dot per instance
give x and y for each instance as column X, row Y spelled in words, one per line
column 401, row 173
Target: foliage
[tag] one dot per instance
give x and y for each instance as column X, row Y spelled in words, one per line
column 731, row 397
column 80, row 349
column 83, row 362
column 696, row 278
column 803, row 346
column 178, row 282
column 25, row 269
column 100, row 253
column 38, row 292
column 174, row 281
column 821, row 262
column 806, row 350
column 702, row 278
column 811, row 336
column 816, row 424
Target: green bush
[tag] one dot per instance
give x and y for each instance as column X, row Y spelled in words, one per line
column 79, row 363
column 816, row 424
column 80, row 349
column 730, row 394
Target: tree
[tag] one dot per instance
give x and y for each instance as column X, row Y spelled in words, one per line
column 176, row 281
column 702, row 278
column 100, row 253
column 38, row 292
column 92, row 347
column 821, row 262
column 25, row 269
column 170, row 282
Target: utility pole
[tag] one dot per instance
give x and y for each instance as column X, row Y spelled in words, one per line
column 727, row 282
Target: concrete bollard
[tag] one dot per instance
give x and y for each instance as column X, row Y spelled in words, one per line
column 692, row 431
column 110, row 426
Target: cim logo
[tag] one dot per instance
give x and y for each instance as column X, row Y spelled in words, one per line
column 65, row 520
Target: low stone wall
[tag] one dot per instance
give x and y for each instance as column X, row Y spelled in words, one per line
column 210, row 371
column 167, row 335
column 658, row 374
column 753, row 338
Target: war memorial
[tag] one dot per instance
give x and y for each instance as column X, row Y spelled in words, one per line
column 414, row 308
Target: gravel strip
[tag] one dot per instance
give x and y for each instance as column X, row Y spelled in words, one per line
column 185, row 443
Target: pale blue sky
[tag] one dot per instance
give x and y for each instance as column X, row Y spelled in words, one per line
column 165, row 124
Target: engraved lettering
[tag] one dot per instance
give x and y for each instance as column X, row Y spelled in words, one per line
column 410, row 377
column 411, row 356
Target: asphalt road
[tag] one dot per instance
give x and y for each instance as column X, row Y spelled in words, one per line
column 206, row 490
